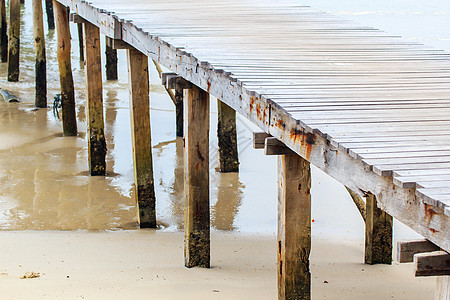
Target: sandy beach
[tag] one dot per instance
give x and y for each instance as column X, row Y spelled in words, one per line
column 148, row 264
column 80, row 234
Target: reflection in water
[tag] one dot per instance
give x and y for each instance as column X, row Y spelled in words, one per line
column 229, row 195
column 44, row 178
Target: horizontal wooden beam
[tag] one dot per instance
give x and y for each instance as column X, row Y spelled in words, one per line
column 435, row 263
column 76, row 18
column 407, row 249
column 273, row 146
column 174, row 81
column 117, row 44
column 259, row 139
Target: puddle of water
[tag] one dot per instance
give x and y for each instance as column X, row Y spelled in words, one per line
column 44, row 181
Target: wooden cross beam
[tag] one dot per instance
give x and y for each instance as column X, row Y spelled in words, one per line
column 407, row 249
column 435, row 263
column 117, row 44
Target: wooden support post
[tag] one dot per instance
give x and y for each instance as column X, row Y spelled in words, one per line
column 65, row 70
column 80, row 40
column 226, row 133
column 294, row 227
column 378, row 249
column 3, row 32
column 442, row 288
column 14, row 40
column 179, row 111
column 39, row 49
column 50, row 15
column 138, row 81
column 111, row 62
column 196, row 159
column 94, row 92
column 22, row 1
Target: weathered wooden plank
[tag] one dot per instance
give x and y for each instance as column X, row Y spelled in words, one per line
column 14, row 40
column 94, row 101
column 378, row 241
column 407, row 249
column 111, row 62
column 65, row 70
column 39, row 50
column 435, row 263
column 138, row 80
column 294, row 227
column 196, row 158
column 3, row 32
column 259, row 139
column 227, row 139
column 273, row 146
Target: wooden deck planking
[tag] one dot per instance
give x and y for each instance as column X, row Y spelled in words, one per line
column 368, row 94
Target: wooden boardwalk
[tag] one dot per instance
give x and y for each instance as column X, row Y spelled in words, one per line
column 370, row 109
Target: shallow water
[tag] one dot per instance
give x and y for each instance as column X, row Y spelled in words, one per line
column 44, row 181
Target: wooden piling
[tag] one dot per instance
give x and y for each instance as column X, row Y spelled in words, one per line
column 378, row 242
column 39, row 49
column 14, row 40
column 65, row 70
column 179, row 111
column 50, row 15
column 111, row 62
column 94, row 93
column 80, row 40
column 294, row 227
column 196, row 159
column 226, row 134
column 138, row 81
column 3, row 32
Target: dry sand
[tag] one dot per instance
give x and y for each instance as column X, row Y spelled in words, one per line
column 148, row 264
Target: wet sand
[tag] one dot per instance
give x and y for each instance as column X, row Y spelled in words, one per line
column 59, row 221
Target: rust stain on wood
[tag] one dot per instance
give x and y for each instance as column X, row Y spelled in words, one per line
column 429, row 213
column 209, row 86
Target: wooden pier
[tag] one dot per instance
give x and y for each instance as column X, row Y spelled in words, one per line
column 365, row 107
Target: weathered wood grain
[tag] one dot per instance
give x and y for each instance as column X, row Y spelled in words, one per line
column 65, row 70
column 259, row 139
column 227, row 138
column 138, row 81
column 14, row 40
column 196, row 160
column 94, row 101
column 50, row 14
column 435, row 263
column 111, row 62
column 39, row 50
column 407, row 249
column 3, row 32
column 294, row 227
column 378, row 241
